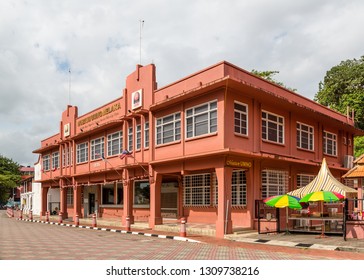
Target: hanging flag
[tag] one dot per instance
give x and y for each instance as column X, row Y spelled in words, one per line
column 125, row 154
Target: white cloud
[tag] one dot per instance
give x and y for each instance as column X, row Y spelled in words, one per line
column 99, row 41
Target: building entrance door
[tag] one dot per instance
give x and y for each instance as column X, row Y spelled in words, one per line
column 169, row 200
column 91, row 203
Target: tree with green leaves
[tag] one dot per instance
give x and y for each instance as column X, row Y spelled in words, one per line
column 9, row 177
column 268, row 75
column 343, row 89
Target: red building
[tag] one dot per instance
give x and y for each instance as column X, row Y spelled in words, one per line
column 205, row 147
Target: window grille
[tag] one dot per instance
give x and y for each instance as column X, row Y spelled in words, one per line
column 274, row 182
column 197, row 190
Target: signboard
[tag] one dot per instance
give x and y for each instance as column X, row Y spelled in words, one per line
column 137, row 99
column 66, row 130
column 238, row 163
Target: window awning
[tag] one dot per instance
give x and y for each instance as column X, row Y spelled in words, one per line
column 324, row 181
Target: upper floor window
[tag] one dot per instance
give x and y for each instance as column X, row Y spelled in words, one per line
column 168, row 129
column 138, row 137
column 130, row 138
column 97, row 148
column 305, row 135
column 46, row 163
column 67, row 155
column 82, row 152
column 201, row 119
column 272, row 127
column 240, row 118
column 330, row 143
column 115, row 143
column 55, row 160
column 146, row 135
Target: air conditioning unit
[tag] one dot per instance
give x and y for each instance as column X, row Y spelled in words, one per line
column 348, row 161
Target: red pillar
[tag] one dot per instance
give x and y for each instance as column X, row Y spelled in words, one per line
column 224, row 223
column 155, row 201
column 76, row 201
column 128, row 200
column 63, row 202
column 44, row 201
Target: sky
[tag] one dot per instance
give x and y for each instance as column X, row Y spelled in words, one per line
column 54, row 53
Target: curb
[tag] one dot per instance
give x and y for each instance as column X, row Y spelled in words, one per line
column 114, row 230
column 301, row 245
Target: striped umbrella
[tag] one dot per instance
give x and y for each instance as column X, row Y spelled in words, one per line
column 283, row 201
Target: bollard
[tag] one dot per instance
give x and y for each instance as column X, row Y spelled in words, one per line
column 94, row 220
column 60, row 218
column 182, row 232
column 31, row 215
column 47, row 216
column 127, row 223
column 12, row 213
column 77, row 220
column 21, row 215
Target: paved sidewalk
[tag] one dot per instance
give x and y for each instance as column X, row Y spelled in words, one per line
column 205, row 233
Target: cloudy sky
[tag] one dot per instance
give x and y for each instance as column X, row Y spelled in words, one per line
column 99, row 41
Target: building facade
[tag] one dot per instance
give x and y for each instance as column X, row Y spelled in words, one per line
column 205, row 147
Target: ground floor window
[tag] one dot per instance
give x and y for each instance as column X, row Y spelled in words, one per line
column 141, row 193
column 274, row 182
column 112, row 194
column 197, row 190
column 304, row 179
column 69, row 196
column 238, row 188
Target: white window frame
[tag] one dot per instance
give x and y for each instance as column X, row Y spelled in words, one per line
column 130, row 138
column 238, row 188
column 82, row 152
column 193, row 114
column 146, row 135
column 330, row 142
column 240, row 117
column 55, row 160
column 268, row 130
column 274, row 182
column 97, row 148
column 115, row 143
column 170, row 125
column 304, row 179
column 305, row 131
column 197, row 190
column 138, row 137
column 46, row 162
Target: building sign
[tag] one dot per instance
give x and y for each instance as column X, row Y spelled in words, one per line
column 238, row 163
column 137, row 99
column 66, row 130
column 100, row 114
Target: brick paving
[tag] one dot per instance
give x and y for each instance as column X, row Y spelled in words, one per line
column 21, row 240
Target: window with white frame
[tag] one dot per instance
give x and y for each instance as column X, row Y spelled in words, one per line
column 130, row 138
column 305, row 136
column 304, row 179
column 138, row 137
column 115, row 143
column 197, row 190
column 330, row 143
column 65, row 156
column 146, row 135
column 238, row 188
column 97, row 148
column 272, row 127
column 69, row 196
column 82, row 152
column 274, row 182
column 55, row 160
column 168, row 129
column 201, row 120
column 240, row 118
column 46, row 162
